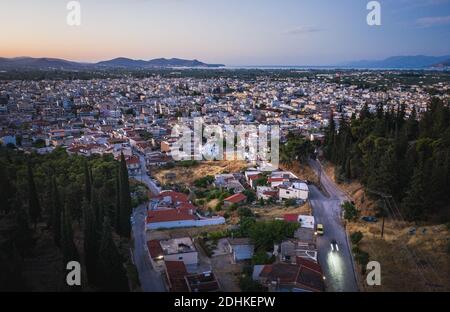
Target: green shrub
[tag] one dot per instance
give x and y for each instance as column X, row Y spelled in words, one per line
column 261, row 257
column 361, row 257
column 205, row 247
column 204, row 182
column 356, row 237
column 290, row 202
column 219, row 206
column 251, row 196
column 216, row 235
column 350, row 211
column 245, row 212
column 247, row 284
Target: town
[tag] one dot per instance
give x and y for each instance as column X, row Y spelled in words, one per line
column 218, row 225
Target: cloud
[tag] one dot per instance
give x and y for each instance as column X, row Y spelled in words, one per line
column 430, row 21
column 300, row 30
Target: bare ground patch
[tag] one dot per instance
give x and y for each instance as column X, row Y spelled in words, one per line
column 188, row 175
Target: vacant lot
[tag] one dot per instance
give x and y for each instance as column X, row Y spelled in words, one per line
column 302, row 171
column 271, row 212
column 409, row 262
column 184, row 232
column 188, row 175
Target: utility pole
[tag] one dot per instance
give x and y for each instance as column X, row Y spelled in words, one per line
column 385, row 198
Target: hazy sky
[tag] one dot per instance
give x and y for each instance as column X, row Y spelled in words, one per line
column 233, row 32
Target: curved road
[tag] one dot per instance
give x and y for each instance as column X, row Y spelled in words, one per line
column 151, row 280
column 337, row 266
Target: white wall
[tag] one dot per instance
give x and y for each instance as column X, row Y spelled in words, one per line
column 293, row 193
column 185, row 223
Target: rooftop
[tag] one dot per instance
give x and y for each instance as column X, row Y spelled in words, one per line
column 177, row 246
column 156, row 216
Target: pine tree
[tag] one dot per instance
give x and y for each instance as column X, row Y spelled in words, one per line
column 125, row 199
column 91, row 242
column 110, row 269
column 34, row 208
column 414, row 203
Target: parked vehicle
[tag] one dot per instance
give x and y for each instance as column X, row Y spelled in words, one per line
column 369, row 219
column 319, row 229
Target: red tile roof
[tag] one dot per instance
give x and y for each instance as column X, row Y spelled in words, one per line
column 311, row 265
column 292, row 217
column 176, row 271
column 155, row 249
column 236, row 198
column 186, row 206
column 295, row 275
column 175, row 196
column 156, row 216
column 275, row 180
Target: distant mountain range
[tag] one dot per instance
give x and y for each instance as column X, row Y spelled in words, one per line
column 402, row 62
column 121, row 62
column 395, row 62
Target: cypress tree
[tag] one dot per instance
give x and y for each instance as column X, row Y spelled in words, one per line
column 91, row 242
column 34, row 208
column 56, row 213
column 22, row 235
column 69, row 249
column 7, row 190
column 110, row 269
column 330, row 141
column 95, row 207
column 87, row 182
column 125, row 199
column 117, row 205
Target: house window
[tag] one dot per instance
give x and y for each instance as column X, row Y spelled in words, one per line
column 180, row 258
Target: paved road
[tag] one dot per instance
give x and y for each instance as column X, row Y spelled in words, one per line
column 337, row 266
column 151, row 280
column 144, row 178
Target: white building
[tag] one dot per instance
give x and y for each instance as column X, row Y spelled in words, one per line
column 297, row 190
column 180, row 249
